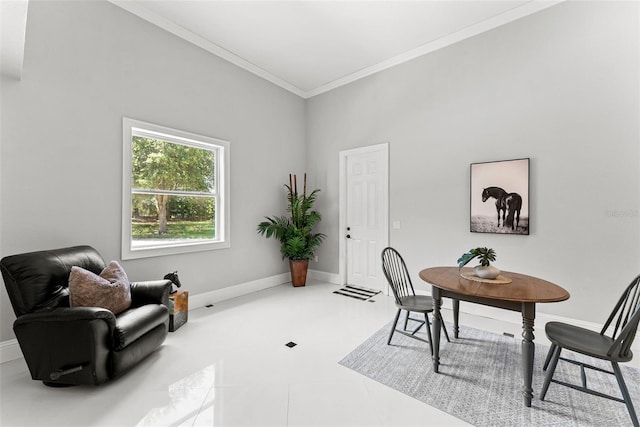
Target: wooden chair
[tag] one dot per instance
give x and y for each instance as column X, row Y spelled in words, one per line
column 614, row 347
column 399, row 280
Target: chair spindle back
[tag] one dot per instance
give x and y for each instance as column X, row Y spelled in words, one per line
column 623, row 321
column 396, row 273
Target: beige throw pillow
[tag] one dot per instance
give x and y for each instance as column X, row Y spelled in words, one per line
column 110, row 290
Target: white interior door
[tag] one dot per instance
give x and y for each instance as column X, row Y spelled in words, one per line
column 364, row 215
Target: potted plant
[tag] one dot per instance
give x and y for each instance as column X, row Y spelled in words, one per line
column 485, row 255
column 295, row 233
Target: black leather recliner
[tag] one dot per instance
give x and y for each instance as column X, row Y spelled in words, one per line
column 80, row 345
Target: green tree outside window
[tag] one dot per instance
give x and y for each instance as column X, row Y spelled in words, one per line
column 172, row 180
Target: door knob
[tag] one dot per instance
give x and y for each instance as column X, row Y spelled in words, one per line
column 348, row 236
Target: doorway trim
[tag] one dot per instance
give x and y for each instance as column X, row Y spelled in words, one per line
column 342, row 226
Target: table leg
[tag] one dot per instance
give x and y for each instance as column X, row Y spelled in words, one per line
column 528, row 350
column 456, row 316
column 437, row 327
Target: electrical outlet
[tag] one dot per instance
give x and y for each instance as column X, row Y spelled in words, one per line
column 315, row 258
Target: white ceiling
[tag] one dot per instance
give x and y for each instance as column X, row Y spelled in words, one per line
column 309, row 47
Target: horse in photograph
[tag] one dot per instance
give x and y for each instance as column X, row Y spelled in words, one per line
column 509, row 203
column 514, row 204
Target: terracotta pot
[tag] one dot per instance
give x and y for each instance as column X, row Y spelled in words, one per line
column 298, row 271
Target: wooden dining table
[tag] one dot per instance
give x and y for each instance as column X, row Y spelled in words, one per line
column 522, row 293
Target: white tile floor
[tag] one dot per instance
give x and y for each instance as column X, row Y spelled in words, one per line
column 229, row 366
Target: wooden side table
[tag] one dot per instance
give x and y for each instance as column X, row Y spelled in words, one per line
column 178, row 309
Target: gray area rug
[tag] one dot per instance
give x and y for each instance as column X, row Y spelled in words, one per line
column 480, row 380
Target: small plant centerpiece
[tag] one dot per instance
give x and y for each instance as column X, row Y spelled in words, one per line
column 295, row 233
column 485, row 255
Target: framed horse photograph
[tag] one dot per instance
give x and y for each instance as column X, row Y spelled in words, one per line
column 500, row 197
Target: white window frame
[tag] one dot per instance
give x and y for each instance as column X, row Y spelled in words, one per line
column 131, row 128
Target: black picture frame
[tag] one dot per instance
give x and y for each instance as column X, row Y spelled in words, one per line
column 497, row 188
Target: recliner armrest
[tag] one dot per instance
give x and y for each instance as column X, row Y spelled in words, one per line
column 150, row 292
column 67, row 314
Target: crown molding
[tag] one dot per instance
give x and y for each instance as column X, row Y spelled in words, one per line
column 13, row 53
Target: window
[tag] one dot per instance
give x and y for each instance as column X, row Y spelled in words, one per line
column 175, row 191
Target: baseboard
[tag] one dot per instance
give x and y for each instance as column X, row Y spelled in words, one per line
column 324, row 276
column 10, row 350
column 510, row 316
column 516, row 317
column 218, row 295
column 213, row 297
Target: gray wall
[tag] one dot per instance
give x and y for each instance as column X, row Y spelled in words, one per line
column 87, row 64
column 561, row 87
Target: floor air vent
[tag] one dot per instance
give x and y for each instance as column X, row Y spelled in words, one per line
column 357, row 292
